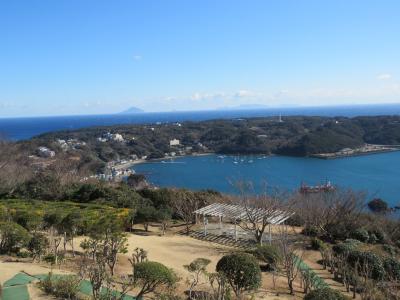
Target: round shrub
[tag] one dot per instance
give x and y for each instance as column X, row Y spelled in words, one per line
column 360, row 235
column 380, row 235
column 390, row 249
column 392, row 268
column 150, row 275
column 268, row 254
column 345, row 247
column 13, row 237
column 372, row 239
column 241, row 270
column 325, row 294
column 373, row 261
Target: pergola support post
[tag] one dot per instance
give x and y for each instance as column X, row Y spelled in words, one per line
column 270, row 235
column 235, row 231
column 205, row 221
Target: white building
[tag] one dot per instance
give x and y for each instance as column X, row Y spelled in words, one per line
column 45, row 152
column 174, row 142
column 117, row 137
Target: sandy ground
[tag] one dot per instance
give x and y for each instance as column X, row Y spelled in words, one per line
column 175, row 251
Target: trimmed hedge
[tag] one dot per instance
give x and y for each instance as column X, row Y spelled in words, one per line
column 325, row 294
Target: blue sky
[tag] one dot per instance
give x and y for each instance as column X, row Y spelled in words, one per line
column 86, row 57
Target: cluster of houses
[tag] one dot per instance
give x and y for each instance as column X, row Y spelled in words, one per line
column 70, row 144
column 111, row 137
column 113, row 174
column 45, row 152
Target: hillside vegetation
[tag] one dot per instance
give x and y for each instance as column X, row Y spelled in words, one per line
column 297, row 136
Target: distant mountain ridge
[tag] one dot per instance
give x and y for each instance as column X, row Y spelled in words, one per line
column 132, row 110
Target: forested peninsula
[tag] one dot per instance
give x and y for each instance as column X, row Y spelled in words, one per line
column 92, row 148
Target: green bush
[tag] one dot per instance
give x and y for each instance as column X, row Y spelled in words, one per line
column 369, row 259
column 380, row 235
column 372, row 239
column 149, row 275
column 64, row 287
column 392, row 268
column 390, row 249
column 268, row 254
column 13, row 237
column 360, row 234
column 38, row 245
column 23, row 254
column 345, row 247
column 241, row 270
column 325, row 294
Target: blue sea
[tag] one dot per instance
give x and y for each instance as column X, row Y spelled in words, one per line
column 376, row 175
column 25, row 128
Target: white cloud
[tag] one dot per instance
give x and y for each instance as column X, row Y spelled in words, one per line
column 384, row 76
column 137, row 57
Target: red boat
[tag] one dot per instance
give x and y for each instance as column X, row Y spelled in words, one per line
column 323, row 188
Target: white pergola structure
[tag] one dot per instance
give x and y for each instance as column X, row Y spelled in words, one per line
column 237, row 213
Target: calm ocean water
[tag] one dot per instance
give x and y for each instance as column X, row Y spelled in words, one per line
column 25, row 128
column 378, row 175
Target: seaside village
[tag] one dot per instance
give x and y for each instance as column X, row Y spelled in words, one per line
column 115, row 170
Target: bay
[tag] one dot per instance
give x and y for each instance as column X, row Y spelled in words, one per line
column 377, row 175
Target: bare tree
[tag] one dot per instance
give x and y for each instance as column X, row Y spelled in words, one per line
column 291, row 257
column 327, row 209
column 185, row 203
column 14, row 166
column 262, row 208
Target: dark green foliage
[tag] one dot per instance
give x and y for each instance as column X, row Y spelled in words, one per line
column 390, row 249
column 149, row 275
column 317, row 244
column 38, row 245
column 13, row 237
column 369, row 259
column 268, row 254
column 42, row 186
column 392, row 268
column 379, row 234
column 146, row 214
column 345, row 247
column 27, row 219
column 360, row 234
column 63, row 287
column 241, row 270
column 325, row 294
column 311, row 231
column 377, row 205
column 372, row 239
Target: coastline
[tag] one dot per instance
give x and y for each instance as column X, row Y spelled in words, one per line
column 142, row 161
column 328, row 156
